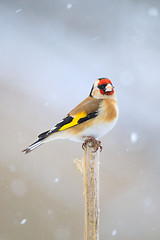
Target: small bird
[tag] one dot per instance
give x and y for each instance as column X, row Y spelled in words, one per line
column 90, row 120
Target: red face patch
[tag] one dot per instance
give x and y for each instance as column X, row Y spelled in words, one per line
column 102, row 83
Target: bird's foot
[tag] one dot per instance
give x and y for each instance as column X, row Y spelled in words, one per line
column 96, row 144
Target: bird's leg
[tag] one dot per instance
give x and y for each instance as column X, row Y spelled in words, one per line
column 96, row 144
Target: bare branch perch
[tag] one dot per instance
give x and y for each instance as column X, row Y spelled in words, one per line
column 89, row 166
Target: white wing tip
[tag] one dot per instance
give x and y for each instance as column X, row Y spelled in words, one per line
column 32, row 147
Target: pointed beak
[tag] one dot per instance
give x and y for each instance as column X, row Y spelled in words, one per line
column 109, row 88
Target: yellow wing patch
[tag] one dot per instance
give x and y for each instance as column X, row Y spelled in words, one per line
column 74, row 121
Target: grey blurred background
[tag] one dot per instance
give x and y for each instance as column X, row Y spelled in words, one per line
column 51, row 52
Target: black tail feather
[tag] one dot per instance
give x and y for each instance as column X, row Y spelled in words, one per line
column 33, row 146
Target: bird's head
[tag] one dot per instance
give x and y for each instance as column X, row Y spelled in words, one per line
column 102, row 88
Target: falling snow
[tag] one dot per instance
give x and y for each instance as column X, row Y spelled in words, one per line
column 23, row 221
column 134, row 137
column 56, row 180
column 19, row 10
column 114, row 232
column 18, row 187
column 49, row 211
column 66, row 47
column 69, row 5
column 153, row 12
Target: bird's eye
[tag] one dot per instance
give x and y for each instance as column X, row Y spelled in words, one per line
column 102, row 86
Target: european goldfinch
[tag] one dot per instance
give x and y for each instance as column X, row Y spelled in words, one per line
column 91, row 119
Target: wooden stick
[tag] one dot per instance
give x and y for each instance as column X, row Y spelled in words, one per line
column 89, row 166
column 91, row 190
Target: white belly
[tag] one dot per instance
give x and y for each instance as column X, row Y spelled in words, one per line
column 97, row 131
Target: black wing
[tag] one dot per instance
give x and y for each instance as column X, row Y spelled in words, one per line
column 66, row 121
